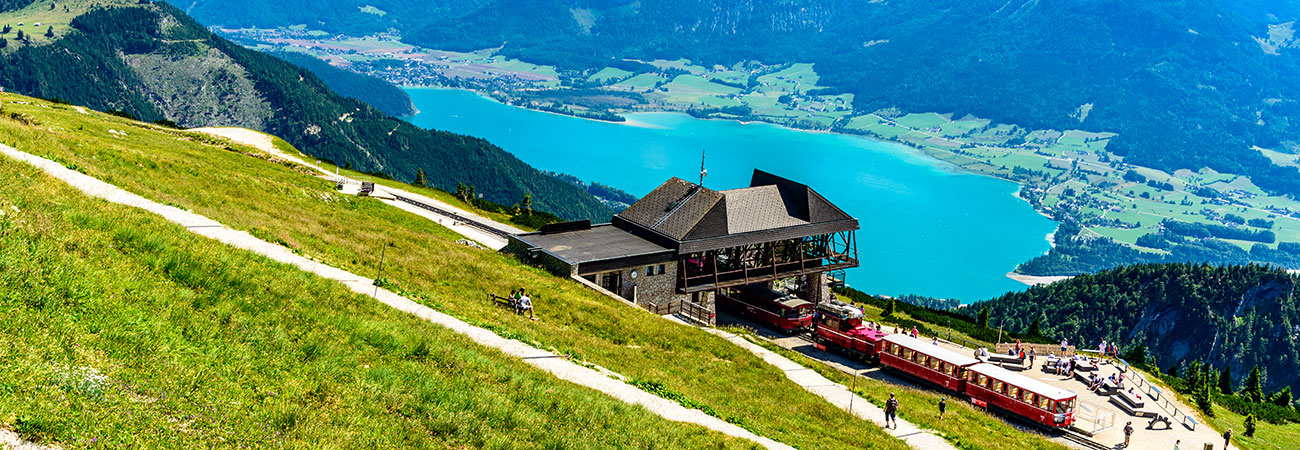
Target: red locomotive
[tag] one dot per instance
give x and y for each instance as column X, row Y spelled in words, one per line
column 839, row 327
column 776, row 309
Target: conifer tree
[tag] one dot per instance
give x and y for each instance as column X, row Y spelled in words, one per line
column 984, row 317
column 1034, row 328
column 1225, row 381
column 21, row 36
column 1253, row 390
column 889, row 308
column 4, row 42
column 527, row 203
column 1282, row 397
column 6, row 29
column 49, row 32
column 419, row 177
column 1250, row 425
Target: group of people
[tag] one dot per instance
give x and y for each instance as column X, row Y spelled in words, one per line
column 520, row 300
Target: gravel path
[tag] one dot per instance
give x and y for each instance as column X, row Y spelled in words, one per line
column 555, row 364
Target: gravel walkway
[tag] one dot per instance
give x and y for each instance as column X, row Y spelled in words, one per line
column 555, row 364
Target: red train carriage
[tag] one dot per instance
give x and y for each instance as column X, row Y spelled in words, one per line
column 839, row 327
column 776, row 309
column 992, row 386
column 926, row 361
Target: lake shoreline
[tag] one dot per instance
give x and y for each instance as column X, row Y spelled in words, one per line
column 925, row 210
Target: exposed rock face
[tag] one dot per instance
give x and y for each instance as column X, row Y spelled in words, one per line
column 202, row 87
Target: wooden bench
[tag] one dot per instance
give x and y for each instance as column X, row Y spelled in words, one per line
column 1129, row 409
column 505, row 302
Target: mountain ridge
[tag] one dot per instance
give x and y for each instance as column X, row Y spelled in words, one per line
column 148, row 59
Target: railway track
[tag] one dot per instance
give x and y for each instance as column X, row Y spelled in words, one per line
column 1083, row 440
column 457, row 217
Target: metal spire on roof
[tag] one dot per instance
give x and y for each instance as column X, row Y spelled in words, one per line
column 703, row 172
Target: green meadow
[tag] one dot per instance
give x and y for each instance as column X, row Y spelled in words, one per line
column 123, row 330
column 424, row 262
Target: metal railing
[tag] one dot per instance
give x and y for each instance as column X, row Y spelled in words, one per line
column 1156, row 396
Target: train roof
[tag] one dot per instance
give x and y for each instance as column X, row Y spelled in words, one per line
column 931, row 350
column 794, row 302
column 1021, row 381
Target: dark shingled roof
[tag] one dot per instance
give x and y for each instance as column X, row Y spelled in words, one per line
column 697, row 218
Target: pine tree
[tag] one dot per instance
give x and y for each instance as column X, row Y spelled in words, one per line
column 462, row 192
column 4, row 42
column 1034, row 329
column 984, row 317
column 1173, row 370
column 1250, row 425
column 1225, row 381
column 889, row 308
column 1204, row 393
column 21, row 36
column 6, row 29
column 527, row 203
column 1282, row 397
column 49, row 32
column 419, row 177
column 1253, row 390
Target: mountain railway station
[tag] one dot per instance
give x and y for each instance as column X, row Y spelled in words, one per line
column 679, row 246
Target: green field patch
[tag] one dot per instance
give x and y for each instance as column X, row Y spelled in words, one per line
column 680, row 64
column 923, row 121
column 641, row 82
column 695, row 85
column 373, row 10
column 962, row 127
column 608, row 74
column 719, row 102
column 1279, row 158
column 731, row 76
column 38, row 18
column 796, row 78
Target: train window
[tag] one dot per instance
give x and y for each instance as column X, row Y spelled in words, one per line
column 998, row 385
column 963, row 374
column 936, row 364
column 909, row 354
column 1043, row 402
column 981, row 380
column 1013, row 392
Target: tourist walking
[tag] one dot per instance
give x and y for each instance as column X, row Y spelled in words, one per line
column 891, row 411
column 943, row 406
column 1227, row 438
column 1065, row 345
column 1177, row 443
column 1128, row 433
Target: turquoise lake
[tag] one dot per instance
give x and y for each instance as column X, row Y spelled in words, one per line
column 927, row 227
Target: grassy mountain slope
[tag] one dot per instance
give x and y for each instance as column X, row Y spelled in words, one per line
column 424, row 261
column 1230, row 317
column 1184, row 83
column 154, row 62
column 375, row 92
column 122, row 330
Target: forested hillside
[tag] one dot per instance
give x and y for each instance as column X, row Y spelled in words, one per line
column 1231, row 317
column 357, row 17
column 1184, row 83
column 376, row 92
column 153, row 62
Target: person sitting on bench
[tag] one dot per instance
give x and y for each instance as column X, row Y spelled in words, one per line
column 525, row 304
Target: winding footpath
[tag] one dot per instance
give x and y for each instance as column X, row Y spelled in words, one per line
column 552, row 363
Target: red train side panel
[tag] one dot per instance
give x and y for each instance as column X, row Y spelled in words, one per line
column 1039, row 402
column 924, row 360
